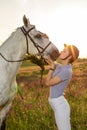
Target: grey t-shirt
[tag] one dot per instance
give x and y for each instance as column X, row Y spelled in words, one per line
column 65, row 74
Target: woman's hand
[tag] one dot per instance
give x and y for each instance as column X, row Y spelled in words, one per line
column 51, row 63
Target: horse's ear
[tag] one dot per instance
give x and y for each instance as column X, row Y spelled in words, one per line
column 26, row 21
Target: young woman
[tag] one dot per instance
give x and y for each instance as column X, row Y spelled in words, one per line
column 58, row 77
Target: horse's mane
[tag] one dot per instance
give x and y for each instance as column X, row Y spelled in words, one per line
column 13, row 32
column 9, row 37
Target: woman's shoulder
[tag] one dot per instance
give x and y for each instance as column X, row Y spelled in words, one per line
column 58, row 66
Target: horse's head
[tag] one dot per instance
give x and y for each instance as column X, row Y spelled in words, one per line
column 39, row 42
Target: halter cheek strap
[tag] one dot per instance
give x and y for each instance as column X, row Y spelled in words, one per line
column 26, row 33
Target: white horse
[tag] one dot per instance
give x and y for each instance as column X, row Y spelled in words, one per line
column 25, row 39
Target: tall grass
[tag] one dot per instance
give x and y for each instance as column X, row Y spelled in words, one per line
column 33, row 112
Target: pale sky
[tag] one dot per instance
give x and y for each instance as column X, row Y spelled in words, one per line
column 64, row 21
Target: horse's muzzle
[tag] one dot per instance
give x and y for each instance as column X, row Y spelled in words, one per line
column 54, row 54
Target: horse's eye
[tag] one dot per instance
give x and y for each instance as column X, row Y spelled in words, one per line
column 38, row 35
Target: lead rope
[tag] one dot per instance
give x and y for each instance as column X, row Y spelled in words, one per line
column 42, row 71
column 41, row 78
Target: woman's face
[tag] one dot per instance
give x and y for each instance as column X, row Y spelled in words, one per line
column 64, row 54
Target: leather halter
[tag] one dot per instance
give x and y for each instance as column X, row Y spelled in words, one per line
column 39, row 48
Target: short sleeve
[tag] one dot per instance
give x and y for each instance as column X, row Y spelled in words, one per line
column 64, row 74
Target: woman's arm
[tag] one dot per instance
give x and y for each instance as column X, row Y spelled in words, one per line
column 52, row 80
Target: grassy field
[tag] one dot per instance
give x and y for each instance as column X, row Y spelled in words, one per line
column 31, row 110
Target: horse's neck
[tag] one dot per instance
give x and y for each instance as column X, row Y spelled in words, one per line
column 15, row 46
